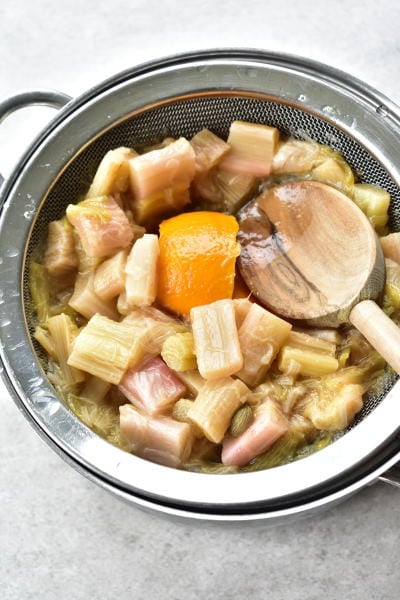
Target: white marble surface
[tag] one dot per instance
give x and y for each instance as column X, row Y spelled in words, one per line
column 60, row 535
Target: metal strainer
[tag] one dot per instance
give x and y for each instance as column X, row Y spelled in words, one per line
column 179, row 96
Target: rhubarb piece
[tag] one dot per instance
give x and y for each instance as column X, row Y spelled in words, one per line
column 181, row 409
column 86, row 263
column 160, row 169
column 178, row 352
column 143, row 344
column 109, row 277
column 112, row 174
column 261, row 336
column 236, row 189
column 156, row 326
column 60, row 257
column 222, row 190
column 141, row 271
column 147, row 211
column 150, row 328
column 334, row 409
column 63, row 332
column 215, row 405
column 192, row 380
column 315, row 343
column 252, row 148
column 242, row 307
column 319, row 162
column 281, row 452
column 44, row 338
column 392, row 285
column 298, row 156
column 208, row 149
column 85, row 300
column 180, row 412
column 161, row 440
column 308, row 355
column 101, row 224
column 103, row 348
column 95, row 389
column 122, row 304
column 152, row 386
column 329, row 335
column 216, row 340
column 374, row 202
column 268, row 426
column 391, row 246
column 334, row 171
column 309, row 363
column 206, row 189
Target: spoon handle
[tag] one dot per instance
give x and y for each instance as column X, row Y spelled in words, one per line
column 381, row 332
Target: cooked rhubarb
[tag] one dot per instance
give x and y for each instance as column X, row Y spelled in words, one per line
column 149, row 332
column 60, row 257
column 112, row 174
column 102, row 225
column 159, row 439
column 141, row 271
column 103, row 348
column 268, row 426
column 252, row 148
column 261, row 335
column 215, row 405
column 109, row 278
column 152, row 386
column 160, row 169
column 216, row 340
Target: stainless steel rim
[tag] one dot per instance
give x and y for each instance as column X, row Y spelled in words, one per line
column 353, row 107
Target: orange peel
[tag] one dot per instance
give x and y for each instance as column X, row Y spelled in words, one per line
column 198, row 251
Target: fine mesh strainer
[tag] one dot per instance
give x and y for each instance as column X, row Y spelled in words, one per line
column 179, row 96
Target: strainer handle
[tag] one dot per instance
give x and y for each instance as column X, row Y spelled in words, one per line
column 51, row 98
column 392, row 476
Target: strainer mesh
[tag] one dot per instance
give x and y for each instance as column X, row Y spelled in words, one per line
column 185, row 117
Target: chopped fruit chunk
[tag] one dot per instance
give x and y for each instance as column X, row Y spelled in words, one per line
column 252, row 148
column 208, row 149
column 216, row 341
column 391, row 246
column 102, row 225
column 112, row 174
column 154, row 171
column 60, row 258
column 141, row 271
column 261, row 336
column 152, row 386
column 268, row 426
column 162, row 440
column 215, row 405
column 109, row 278
column 103, row 348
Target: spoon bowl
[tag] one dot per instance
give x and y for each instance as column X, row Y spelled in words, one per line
column 309, row 253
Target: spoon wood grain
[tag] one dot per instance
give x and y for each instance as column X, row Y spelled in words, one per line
column 308, row 253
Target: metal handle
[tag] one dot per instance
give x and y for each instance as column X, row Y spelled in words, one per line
column 392, row 476
column 50, row 98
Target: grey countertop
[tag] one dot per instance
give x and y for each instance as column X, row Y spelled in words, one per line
column 60, row 535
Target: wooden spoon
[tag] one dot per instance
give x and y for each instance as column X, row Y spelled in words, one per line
column 309, row 253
